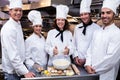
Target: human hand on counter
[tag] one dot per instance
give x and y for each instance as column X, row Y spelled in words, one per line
column 66, row 51
column 82, row 62
column 55, row 51
column 29, row 75
column 79, row 62
column 76, row 60
column 89, row 69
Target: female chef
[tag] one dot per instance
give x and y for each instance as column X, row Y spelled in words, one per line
column 36, row 57
column 59, row 40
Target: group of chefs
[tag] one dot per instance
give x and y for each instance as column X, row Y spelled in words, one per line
column 95, row 48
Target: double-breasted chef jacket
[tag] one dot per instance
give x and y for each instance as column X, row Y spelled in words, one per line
column 53, row 41
column 103, row 53
column 35, row 51
column 81, row 41
column 13, row 48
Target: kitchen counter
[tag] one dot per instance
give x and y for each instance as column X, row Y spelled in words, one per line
column 83, row 76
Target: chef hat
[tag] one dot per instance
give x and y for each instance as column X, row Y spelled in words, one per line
column 15, row 4
column 85, row 6
column 111, row 4
column 35, row 17
column 62, row 11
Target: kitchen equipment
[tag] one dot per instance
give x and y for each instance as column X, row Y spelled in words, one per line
column 76, row 70
column 61, row 63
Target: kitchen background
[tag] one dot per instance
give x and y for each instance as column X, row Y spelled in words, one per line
column 48, row 11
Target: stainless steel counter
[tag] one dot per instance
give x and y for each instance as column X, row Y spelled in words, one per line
column 83, row 76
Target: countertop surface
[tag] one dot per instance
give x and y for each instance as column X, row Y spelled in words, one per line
column 83, row 76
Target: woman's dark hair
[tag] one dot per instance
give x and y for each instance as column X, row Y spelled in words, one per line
column 66, row 26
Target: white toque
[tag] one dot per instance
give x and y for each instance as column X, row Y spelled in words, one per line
column 35, row 17
column 62, row 11
column 85, row 6
column 111, row 4
column 15, row 4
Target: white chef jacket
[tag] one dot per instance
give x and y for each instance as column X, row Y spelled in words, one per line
column 53, row 41
column 103, row 54
column 35, row 51
column 13, row 48
column 81, row 41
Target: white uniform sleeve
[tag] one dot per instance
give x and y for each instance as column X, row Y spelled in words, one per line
column 89, row 52
column 48, row 45
column 75, row 54
column 88, row 56
column 71, row 46
column 113, row 56
column 29, row 62
column 9, row 42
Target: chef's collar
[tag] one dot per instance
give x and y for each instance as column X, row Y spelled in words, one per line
column 37, row 35
column 108, row 27
column 60, row 33
column 15, row 22
column 85, row 26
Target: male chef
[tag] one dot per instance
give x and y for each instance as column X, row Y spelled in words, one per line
column 83, row 33
column 13, row 50
column 103, row 54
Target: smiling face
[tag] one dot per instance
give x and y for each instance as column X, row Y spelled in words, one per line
column 60, row 23
column 107, row 16
column 37, row 29
column 16, row 13
column 85, row 17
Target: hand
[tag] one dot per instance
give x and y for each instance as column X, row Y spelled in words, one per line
column 82, row 62
column 55, row 50
column 29, row 75
column 76, row 60
column 66, row 51
column 79, row 62
column 89, row 69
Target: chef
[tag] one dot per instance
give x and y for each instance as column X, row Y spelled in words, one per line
column 13, row 49
column 36, row 57
column 103, row 54
column 83, row 33
column 59, row 40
